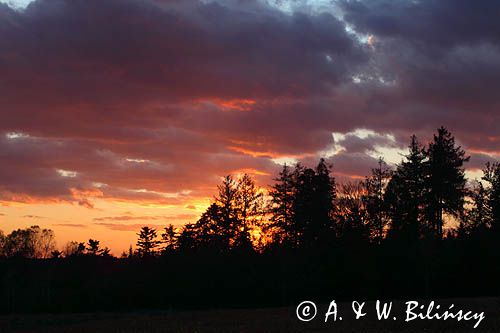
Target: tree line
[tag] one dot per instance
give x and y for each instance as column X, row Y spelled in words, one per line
column 306, row 208
column 418, row 229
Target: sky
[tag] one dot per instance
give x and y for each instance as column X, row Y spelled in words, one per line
column 122, row 113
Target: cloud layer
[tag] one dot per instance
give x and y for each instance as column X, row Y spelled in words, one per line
column 152, row 101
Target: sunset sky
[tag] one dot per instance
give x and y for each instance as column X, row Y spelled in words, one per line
column 120, row 113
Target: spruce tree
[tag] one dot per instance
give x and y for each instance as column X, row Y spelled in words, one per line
column 322, row 228
column 405, row 194
column 147, row 242
column 227, row 214
column 445, row 180
column 302, row 205
column 281, row 209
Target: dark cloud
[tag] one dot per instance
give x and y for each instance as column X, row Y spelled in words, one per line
column 95, row 53
column 478, row 161
column 443, row 58
column 432, row 23
column 153, row 101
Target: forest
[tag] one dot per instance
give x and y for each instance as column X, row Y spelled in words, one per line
column 419, row 229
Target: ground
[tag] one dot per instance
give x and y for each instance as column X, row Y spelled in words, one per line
column 253, row 320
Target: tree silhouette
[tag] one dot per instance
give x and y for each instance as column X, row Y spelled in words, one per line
column 93, row 248
column 249, row 207
column 375, row 205
column 351, row 215
column 188, row 239
column 477, row 218
column 322, row 228
column 226, row 214
column 2, row 244
column 208, row 233
column 169, row 239
column 229, row 221
column 492, row 193
column 302, row 206
column 43, row 242
column 282, row 228
column 405, row 194
column 445, row 180
column 32, row 242
column 319, row 234
column 147, row 242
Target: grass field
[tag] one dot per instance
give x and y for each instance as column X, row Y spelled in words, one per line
column 253, row 320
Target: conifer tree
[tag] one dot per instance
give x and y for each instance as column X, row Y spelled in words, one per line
column 302, row 205
column 227, row 214
column 282, row 214
column 169, row 239
column 147, row 242
column 405, row 194
column 445, row 180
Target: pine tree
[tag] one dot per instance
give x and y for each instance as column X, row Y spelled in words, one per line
column 147, row 242
column 93, row 247
column 169, row 239
column 228, row 223
column 227, row 213
column 302, row 205
column 322, row 227
column 445, row 180
column 209, row 232
column 405, row 194
column 282, row 214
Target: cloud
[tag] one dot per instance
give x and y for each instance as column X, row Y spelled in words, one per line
column 442, row 23
column 478, row 160
column 443, row 58
column 70, row 225
column 146, row 218
column 153, row 101
column 129, row 227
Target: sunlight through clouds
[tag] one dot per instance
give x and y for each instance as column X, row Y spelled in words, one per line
column 17, row 4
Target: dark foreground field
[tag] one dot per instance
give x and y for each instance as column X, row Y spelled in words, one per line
column 254, row 320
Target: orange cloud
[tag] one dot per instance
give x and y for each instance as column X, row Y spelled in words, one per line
column 234, row 104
